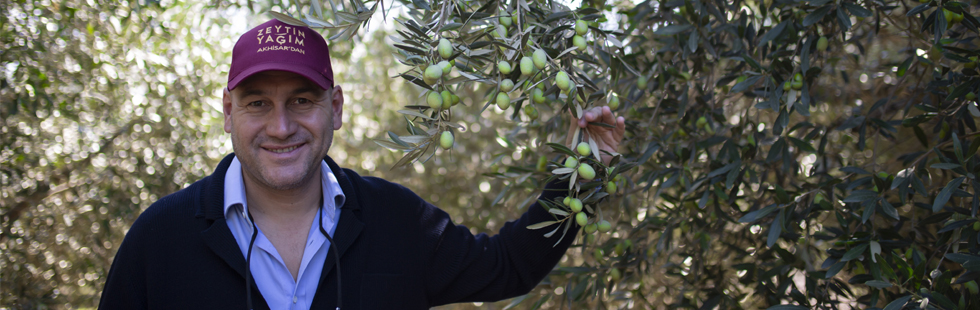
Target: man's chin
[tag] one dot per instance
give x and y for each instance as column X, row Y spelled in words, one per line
column 285, row 179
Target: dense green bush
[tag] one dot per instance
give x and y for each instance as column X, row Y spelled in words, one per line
column 782, row 154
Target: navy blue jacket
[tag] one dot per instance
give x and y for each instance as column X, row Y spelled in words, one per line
column 396, row 250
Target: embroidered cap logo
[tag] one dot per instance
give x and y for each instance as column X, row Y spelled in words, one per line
column 282, row 38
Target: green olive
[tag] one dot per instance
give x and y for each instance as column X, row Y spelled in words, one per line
column 504, row 67
column 581, row 27
column 446, row 140
column 434, row 99
column 540, row 58
column 500, row 31
column 432, row 74
column 538, row 95
column 581, row 218
column 527, row 66
column 681, row 133
column 575, row 204
column 542, row 163
column 591, row 228
column 586, row 172
column 579, row 42
column 562, row 80
column 972, row 287
column 583, row 149
column 613, row 101
column 447, row 99
column 506, row 85
column 503, row 101
column 822, row 44
column 571, row 162
column 446, row 67
column 797, row 85
column 505, row 20
column 531, row 112
column 445, row 48
column 605, row 226
column 615, row 275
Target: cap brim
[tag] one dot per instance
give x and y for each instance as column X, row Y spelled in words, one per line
column 310, row 74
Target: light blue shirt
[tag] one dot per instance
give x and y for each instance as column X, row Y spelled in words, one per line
column 268, row 269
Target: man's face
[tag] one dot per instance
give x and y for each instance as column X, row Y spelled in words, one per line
column 281, row 127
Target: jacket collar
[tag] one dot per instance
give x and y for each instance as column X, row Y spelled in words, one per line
column 212, row 200
column 345, row 184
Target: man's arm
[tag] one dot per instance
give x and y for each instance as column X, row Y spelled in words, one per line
column 125, row 286
column 464, row 267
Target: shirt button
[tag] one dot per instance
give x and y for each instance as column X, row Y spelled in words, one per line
column 295, row 299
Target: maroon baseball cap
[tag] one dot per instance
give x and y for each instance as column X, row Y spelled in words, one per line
column 275, row 45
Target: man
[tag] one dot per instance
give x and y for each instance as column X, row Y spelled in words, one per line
column 256, row 233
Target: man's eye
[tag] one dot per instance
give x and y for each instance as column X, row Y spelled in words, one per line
column 303, row 101
column 255, row 104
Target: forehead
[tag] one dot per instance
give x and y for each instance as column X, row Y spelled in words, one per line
column 269, row 79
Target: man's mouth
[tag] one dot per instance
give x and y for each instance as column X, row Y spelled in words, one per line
column 282, row 150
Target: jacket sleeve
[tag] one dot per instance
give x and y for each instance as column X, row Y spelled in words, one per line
column 465, row 268
column 125, row 286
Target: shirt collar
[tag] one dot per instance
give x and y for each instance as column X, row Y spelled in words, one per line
column 235, row 190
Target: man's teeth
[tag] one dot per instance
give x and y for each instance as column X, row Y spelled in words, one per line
column 283, row 150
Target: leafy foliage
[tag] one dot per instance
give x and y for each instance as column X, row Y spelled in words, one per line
column 761, row 178
column 94, row 130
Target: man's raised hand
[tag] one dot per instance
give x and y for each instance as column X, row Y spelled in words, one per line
column 606, row 138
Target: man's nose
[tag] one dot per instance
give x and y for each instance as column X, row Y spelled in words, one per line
column 280, row 124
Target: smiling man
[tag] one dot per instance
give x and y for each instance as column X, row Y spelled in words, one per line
column 279, row 225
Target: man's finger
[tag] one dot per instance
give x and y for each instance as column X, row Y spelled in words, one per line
column 620, row 128
column 591, row 115
column 587, row 116
column 607, row 116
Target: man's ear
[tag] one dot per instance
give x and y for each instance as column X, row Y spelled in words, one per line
column 226, row 106
column 337, row 104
